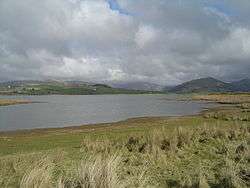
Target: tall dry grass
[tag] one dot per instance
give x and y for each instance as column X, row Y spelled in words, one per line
column 91, row 172
column 39, row 176
column 99, row 172
column 200, row 156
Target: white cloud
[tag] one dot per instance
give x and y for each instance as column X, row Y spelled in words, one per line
column 232, row 49
column 145, row 35
column 85, row 67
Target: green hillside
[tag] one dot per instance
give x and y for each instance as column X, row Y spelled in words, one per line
column 61, row 88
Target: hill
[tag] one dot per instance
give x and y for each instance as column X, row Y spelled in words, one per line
column 202, row 85
column 210, row 84
column 62, row 88
column 242, row 85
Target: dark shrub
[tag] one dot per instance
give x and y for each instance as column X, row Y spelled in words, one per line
column 241, row 149
column 132, row 142
column 165, row 145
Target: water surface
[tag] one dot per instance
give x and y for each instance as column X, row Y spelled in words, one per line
column 68, row 110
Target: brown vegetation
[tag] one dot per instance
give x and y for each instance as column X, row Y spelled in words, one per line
column 6, row 102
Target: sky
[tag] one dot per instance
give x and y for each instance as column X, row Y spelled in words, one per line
column 160, row 41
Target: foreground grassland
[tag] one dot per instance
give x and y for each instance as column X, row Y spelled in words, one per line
column 207, row 150
column 6, row 102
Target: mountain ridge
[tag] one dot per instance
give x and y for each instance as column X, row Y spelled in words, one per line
column 36, row 87
column 210, row 84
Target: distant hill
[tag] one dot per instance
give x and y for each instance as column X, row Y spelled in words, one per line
column 30, row 87
column 62, row 88
column 202, row 85
column 242, row 85
column 144, row 86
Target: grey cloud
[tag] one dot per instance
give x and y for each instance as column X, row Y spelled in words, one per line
column 159, row 41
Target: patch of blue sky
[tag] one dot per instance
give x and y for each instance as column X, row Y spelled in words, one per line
column 221, row 6
column 114, row 5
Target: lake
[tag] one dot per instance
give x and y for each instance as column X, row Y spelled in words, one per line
column 68, row 110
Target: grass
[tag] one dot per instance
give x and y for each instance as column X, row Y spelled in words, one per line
column 207, row 150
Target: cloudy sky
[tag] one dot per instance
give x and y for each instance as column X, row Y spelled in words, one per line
column 159, row 41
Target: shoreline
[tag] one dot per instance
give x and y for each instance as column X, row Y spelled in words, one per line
column 223, row 102
column 94, row 125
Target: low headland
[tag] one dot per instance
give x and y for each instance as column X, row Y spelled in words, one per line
column 7, row 102
column 210, row 149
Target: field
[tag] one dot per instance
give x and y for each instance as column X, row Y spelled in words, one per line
column 206, row 150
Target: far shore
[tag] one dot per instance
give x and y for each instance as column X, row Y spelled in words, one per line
column 7, row 102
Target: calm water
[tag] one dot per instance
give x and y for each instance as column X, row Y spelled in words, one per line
column 60, row 111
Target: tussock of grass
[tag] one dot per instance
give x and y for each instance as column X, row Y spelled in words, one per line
column 95, row 171
column 39, row 176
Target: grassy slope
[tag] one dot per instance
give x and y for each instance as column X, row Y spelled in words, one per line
column 211, row 149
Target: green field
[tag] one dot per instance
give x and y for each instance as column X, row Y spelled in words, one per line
column 206, row 150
